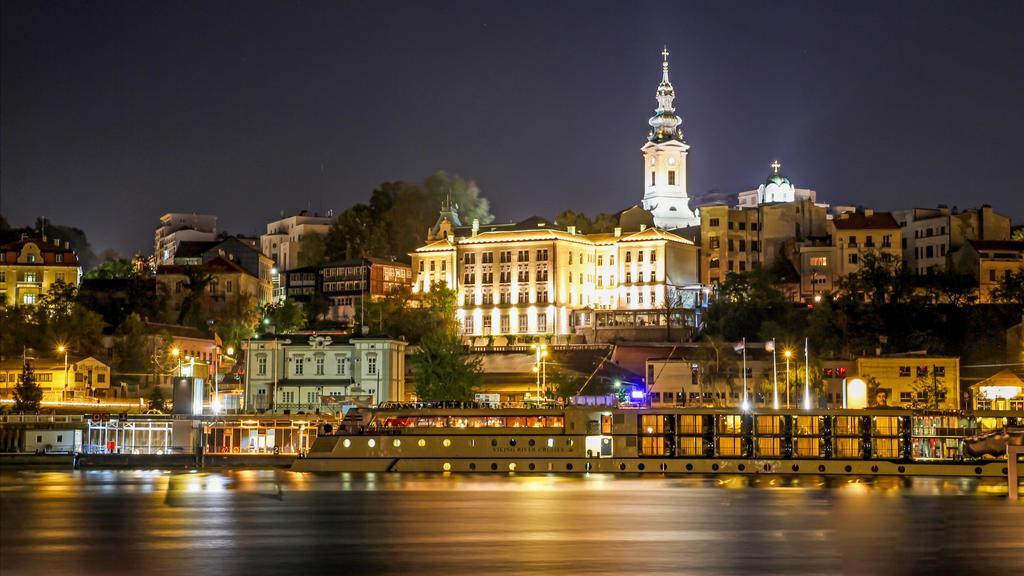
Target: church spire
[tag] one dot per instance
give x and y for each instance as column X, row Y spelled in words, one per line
column 665, row 123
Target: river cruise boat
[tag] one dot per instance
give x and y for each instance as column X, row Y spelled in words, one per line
column 581, row 439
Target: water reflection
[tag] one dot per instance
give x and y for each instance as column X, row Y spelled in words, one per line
column 270, row 522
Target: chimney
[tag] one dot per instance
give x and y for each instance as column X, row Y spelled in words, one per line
column 868, row 212
column 476, row 226
column 618, row 231
column 571, row 230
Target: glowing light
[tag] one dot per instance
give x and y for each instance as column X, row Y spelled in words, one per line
column 637, row 394
column 61, row 348
column 447, row 467
column 231, row 351
column 175, row 352
column 346, row 443
column 788, row 353
column 422, row 443
column 997, row 392
column 446, row 443
column 745, row 406
column 396, row 442
column 371, row 443
column 856, row 393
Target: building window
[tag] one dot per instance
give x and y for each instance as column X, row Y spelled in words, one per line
column 340, row 367
column 904, row 371
column 715, row 263
column 371, row 363
column 939, row 371
column 671, row 177
column 524, row 323
column 542, row 296
column 300, row 364
column 653, row 180
column 319, row 365
column 542, row 274
column 714, row 222
column 506, row 324
column 487, row 324
column 654, row 256
column 629, row 277
column 487, row 258
column 467, row 324
column 819, row 261
column 488, row 298
column 853, row 259
column 542, row 255
column 542, row 322
column 523, row 256
column 469, row 258
column 629, row 257
column 713, row 242
column 261, row 365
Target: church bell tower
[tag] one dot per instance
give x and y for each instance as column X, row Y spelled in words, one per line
column 665, row 161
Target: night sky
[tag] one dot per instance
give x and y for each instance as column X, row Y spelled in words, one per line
column 116, row 112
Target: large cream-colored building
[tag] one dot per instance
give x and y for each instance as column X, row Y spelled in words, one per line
column 989, row 261
column 908, row 380
column 29, row 267
column 283, row 240
column 79, row 378
column 855, row 234
column 536, row 278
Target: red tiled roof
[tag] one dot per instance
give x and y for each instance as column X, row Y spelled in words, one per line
column 48, row 251
column 860, row 221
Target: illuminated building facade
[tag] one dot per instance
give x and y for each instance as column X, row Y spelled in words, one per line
column 537, row 279
column 29, row 267
column 664, row 166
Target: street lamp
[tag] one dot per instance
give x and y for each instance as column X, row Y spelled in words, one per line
column 62, row 349
column 176, row 353
column 788, row 354
column 540, row 366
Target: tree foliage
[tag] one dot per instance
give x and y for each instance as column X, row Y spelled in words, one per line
column 115, row 269
column 395, row 220
column 602, row 222
column 27, row 392
column 443, row 369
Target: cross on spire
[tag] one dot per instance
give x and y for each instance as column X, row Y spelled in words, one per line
column 775, row 166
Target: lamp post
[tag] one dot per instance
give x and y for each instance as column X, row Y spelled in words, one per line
column 176, row 354
column 540, row 367
column 64, row 393
column 787, row 354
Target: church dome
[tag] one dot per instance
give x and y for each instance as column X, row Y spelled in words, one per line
column 776, row 188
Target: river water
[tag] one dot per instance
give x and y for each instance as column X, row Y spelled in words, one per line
column 259, row 522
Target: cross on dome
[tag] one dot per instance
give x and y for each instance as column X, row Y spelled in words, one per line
column 775, row 166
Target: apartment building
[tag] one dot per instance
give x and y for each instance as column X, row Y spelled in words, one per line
column 30, row 266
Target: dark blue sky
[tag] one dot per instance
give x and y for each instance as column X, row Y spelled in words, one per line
column 115, row 112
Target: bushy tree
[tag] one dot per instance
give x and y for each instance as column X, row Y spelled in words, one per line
column 313, row 249
column 443, row 369
column 27, row 393
column 285, row 317
column 114, row 269
column 1010, row 289
column 157, row 400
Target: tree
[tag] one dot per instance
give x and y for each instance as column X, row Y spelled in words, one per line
column 1018, row 235
column 238, row 319
column 132, row 354
column 115, row 269
column 572, row 218
column 156, row 399
column 953, row 288
column 76, row 236
column 1010, row 289
column 313, row 249
column 196, row 281
column 465, row 194
column 285, row 317
column 564, row 384
column 356, row 233
column 929, row 390
column 443, row 369
column 604, row 223
column 27, row 393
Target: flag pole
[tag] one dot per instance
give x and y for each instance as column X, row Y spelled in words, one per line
column 775, row 378
column 745, row 405
column 807, row 375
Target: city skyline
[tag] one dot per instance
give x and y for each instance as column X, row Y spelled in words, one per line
column 235, row 117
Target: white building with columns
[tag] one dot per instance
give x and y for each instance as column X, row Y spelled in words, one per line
column 665, row 162
column 310, row 372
